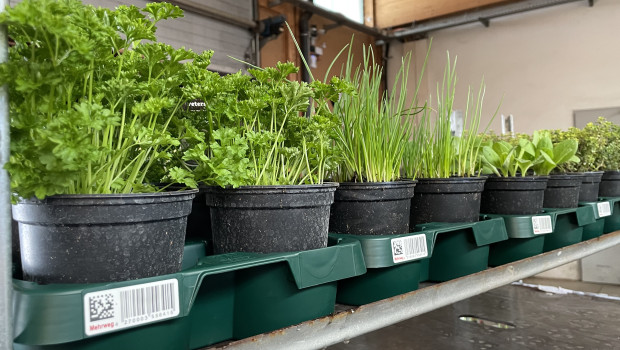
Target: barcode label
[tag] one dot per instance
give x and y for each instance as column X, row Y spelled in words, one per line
column 409, row 248
column 113, row 309
column 542, row 224
column 604, row 209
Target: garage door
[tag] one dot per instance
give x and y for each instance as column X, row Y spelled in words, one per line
column 199, row 32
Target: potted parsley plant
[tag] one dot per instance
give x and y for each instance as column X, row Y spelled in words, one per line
column 92, row 94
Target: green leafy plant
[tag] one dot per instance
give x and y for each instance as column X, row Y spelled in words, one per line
column 611, row 152
column 593, row 142
column 552, row 155
column 256, row 130
column 434, row 152
column 503, row 159
column 540, row 155
column 375, row 125
column 92, row 94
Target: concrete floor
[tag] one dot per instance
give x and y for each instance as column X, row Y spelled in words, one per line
column 541, row 321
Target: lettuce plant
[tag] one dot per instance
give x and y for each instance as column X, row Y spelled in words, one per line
column 539, row 155
column 552, row 155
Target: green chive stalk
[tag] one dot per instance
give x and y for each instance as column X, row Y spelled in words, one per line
column 375, row 125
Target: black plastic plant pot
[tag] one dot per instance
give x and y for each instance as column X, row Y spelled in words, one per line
column 610, row 184
column 521, row 195
column 16, row 255
column 198, row 220
column 563, row 191
column 590, row 184
column 102, row 238
column 270, row 219
column 455, row 199
column 372, row 208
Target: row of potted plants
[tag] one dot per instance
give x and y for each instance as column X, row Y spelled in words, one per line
column 104, row 130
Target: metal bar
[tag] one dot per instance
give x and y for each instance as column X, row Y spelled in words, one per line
column 214, row 13
column 476, row 16
column 336, row 17
column 317, row 334
column 6, row 288
column 256, row 17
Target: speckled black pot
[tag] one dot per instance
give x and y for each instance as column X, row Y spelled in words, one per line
column 269, row 219
column 102, row 238
column 454, row 199
column 590, row 183
column 610, row 184
column 520, row 195
column 563, row 191
column 372, row 208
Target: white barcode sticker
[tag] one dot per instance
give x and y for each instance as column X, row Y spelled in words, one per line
column 113, row 309
column 542, row 224
column 604, row 209
column 409, row 248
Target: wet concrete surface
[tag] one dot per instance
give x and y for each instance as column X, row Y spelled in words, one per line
column 541, row 320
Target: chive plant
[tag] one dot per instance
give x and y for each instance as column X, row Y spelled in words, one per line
column 433, row 151
column 375, row 124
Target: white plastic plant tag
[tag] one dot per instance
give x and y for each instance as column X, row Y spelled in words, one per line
column 604, row 209
column 409, row 248
column 113, row 309
column 542, row 224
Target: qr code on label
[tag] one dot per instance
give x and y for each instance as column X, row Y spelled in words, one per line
column 101, row 307
column 397, row 248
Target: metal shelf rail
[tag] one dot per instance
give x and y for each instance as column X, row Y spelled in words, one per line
column 342, row 326
column 6, row 333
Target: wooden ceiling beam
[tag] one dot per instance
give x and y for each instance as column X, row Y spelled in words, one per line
column 391, row 13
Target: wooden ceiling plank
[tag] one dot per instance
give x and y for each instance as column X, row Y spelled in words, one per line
column 390, row 13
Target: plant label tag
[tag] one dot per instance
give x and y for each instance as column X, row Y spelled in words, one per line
column 604, row 209
column 542, row 224
column 114, row 309
column 409, row 248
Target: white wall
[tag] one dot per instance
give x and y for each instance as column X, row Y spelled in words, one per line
column 545, row 63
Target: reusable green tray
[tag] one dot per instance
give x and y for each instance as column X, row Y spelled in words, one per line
column 221, row 297
column 596, row 228
column 524, row 241
column 612, row 222
column 390, row 271
column 463, row 248
column 568, row 227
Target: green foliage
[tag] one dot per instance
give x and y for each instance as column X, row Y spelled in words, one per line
column 255, row 130
column 91, row 96
column 434, row 152
column 598, row 149
column 540, row 155
column 503, row 159
column 375, row 125
column 552, row 155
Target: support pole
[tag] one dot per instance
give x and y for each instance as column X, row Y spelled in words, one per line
column 6, row 287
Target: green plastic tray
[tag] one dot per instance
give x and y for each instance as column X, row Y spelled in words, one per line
column 461, row 249
column 564, row 229
column 221, row 297
column 568, row 227
column 612, row 222
column 389, row 273
column 596, row 228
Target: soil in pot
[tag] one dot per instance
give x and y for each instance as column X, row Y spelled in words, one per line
column 269, row 219
column 102, row 238
column 590, row 186
column 455, row 199
column 610, row 184
column 372, row 208
column 521, row 195
column 563, row 191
